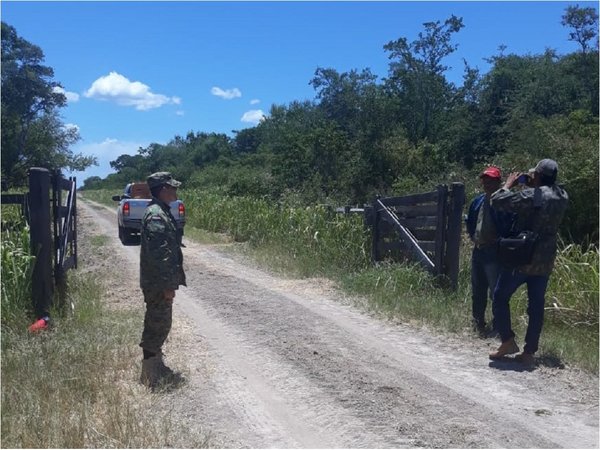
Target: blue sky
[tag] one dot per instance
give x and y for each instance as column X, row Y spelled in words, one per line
column 143, row 72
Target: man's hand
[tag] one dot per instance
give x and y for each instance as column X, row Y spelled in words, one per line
column 511, row 180
column 169, row 294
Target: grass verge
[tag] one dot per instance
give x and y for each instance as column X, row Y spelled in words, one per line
column 75, row 384
column 70, row 386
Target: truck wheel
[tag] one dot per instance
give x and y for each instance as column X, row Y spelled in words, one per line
column 130, row 237
column 122, row 235
column 133, row 237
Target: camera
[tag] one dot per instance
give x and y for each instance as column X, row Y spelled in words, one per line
column 523, row 178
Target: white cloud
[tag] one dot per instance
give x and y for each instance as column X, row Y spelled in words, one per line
column 254, row 101
column 226, row 94
column 117, row 88
column 253, row 116
column 71, row 96
column 180, row 113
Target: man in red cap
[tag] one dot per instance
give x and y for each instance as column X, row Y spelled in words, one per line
column 484, row 226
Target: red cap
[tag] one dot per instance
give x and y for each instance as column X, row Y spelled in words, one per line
column 492, row 172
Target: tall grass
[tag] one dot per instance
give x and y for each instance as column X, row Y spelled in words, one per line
column 571, row 327
column 17, row 266
column 307, row 240
column 103, row 196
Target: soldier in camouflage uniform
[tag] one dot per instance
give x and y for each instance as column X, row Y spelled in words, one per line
column 540, row 208
column 161, row 274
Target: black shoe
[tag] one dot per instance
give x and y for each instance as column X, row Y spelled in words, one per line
column 479, row 328
column 170, row 378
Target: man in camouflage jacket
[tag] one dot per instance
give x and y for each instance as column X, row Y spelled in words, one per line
column 539, row 208
column 161, row 274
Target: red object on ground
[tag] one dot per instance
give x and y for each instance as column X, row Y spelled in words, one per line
column 38, row 325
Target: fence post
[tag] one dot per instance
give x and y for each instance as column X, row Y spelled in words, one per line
column 375, row 227
column 74, row 241
column 40, row 240
column 440, row 229
column 457, row 201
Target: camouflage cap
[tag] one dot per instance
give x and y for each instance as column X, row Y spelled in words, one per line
column 162, row 178
column 546, row 167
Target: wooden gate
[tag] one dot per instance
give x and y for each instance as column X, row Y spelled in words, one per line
column 52, row 232
column 64, row 225
column 425, row 227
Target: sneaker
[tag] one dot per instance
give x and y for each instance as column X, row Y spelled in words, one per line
column 525, row 358
column 506, row 348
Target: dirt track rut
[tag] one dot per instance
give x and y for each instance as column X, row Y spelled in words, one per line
column 279, row 363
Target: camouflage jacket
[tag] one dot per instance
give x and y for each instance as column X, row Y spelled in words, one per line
column 539, row 210
column 161, row 259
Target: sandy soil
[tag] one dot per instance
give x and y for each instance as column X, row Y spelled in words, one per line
column 280, row 363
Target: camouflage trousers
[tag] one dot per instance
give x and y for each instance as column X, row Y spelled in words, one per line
column 157, row 321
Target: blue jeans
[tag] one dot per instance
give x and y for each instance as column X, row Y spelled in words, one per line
column 508, row 282
column 484, row 274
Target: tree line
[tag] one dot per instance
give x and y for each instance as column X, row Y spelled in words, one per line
column 364, row 135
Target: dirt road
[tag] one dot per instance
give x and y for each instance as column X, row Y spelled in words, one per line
column 279, row 363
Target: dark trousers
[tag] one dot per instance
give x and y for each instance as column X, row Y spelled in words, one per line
column 484, row 274
column 157, row 321
column 508, row 282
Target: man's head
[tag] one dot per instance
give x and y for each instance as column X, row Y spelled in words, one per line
column 545, row 172
column 163, row 186
column 491, row 178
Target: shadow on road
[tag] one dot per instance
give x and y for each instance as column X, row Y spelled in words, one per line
column 508, row 363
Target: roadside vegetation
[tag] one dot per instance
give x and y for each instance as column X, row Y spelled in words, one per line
column 70, row 386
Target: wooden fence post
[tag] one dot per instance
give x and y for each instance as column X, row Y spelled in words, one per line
column 74, row 241
column 440, row 229
column 453, row 237
column 375, row 227
column 40, row 240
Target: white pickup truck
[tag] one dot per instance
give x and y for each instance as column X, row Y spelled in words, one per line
column 132, row 205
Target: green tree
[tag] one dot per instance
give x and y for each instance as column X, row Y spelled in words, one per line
column 93, row 182
column 32, row 132
column 584, row 22
column 247, row 141
column 584, row 66
column 416, row 77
